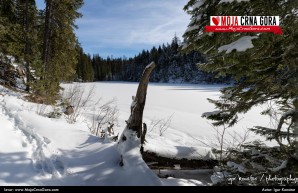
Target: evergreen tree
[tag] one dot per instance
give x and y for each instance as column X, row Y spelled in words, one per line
column 97, row 63
column 84, row 67
column 175, row 45
column 26, row 17
column 59, row 53
column 18, row 32
column 8, row 28
column 266, row 72
column 154, row 54
column 7, row 9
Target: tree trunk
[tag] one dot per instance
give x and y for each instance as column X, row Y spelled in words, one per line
column 137, row 107
column 46, row 37
column 131, row 136
column 26, row 22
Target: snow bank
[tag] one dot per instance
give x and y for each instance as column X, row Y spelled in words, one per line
column 36, row 150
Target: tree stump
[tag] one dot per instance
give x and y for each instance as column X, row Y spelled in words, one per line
column 131, row 136
column 136, row 117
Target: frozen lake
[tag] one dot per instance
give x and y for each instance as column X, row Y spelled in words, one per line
column 187, row 102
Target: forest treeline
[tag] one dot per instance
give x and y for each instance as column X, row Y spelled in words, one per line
column 172, row 66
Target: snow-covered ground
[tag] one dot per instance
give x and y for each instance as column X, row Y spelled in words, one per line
column 36, row 150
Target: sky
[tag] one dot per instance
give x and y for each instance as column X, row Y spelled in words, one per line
column 125, row 27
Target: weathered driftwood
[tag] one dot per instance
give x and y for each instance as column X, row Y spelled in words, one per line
column 136, row 117
column 133, row 136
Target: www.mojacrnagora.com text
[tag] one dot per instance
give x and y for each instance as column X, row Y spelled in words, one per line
column 30, row 190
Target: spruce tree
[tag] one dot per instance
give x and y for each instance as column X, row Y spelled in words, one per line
column 9, row 29
column 26, row 17
column 267, row 72
column 84, row 68
column 59, row 53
